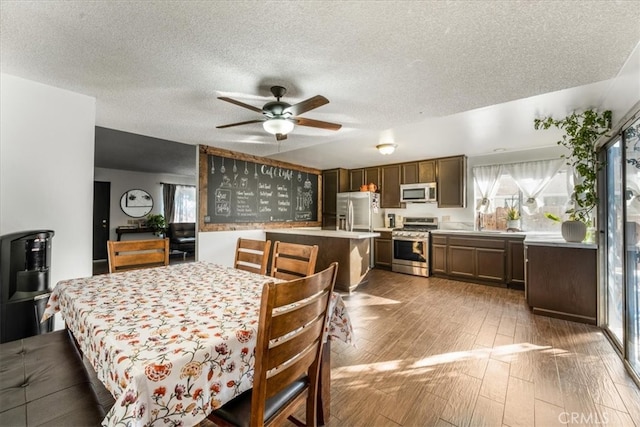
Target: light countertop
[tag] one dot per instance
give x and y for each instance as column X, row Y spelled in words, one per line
column 536, row 238
column 340, row 234
column 482, row 233
column 557, row 241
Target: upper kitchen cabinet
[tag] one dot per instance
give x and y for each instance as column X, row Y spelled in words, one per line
column 390, row 186
column 409, row 173
column 356, row 179
column 427, row 171
column 334, row 181
column 451, row 175
column 372, row 175
column 414, row 172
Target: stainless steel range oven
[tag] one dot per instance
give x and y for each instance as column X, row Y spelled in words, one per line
column 411, row 246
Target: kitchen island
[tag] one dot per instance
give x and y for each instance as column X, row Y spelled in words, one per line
column 351, row 249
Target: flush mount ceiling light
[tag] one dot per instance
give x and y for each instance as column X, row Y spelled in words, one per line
column 278, row 125
column 386, row 149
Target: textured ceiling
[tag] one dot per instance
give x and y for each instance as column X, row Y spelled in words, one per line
column 437, row 78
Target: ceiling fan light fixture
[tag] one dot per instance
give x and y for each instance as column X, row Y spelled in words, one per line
column 278, row 125
column 386, row 149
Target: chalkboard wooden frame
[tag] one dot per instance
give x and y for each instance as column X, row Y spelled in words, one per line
column 203, row 167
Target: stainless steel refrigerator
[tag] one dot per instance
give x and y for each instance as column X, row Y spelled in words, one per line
column 359, row 211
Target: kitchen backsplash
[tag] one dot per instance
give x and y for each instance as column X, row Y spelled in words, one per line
column 449, row 219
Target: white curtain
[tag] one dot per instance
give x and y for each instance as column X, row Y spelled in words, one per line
column 486, row 179
column 532, row 178
column 185, row 204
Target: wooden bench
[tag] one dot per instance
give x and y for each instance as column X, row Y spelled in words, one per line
column 44, row 381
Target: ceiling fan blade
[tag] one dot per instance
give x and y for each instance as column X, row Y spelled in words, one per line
column 280, row 137
column 307, row 105
column 239, row 123
column 241, row 104
column 316, row 123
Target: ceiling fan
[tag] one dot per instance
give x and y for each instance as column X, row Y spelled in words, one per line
column 279, row 118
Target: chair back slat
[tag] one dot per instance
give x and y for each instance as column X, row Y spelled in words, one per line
column 284, row 354
column 291, row 347
column 135, row 254
column 252, row 255
column 292, row 260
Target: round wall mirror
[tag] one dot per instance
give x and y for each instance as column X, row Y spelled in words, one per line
column 136, row 203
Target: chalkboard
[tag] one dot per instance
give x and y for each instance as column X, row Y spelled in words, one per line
column 241, row 191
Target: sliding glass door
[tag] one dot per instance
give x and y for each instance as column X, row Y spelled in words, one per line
column 620, row 296
column 632, row 226
column 614, row 293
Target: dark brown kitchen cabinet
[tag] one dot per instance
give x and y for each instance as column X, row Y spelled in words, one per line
column 438, row 254
column 561, row 281
column 372, row 176
column 482, row 259
column 472, row 257
column 410, row 173
column 427, row 171
column 390, row 186
column 515, row 263
column 452, row 182
column 356, row 179
column 414, row 172
column 383, row 250
column 334, row 181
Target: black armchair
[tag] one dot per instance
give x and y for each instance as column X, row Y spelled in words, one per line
column 182, row 236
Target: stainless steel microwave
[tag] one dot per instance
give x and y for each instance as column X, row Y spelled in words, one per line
column 418, row 193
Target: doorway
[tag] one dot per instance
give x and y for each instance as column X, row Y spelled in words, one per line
column 101, row 207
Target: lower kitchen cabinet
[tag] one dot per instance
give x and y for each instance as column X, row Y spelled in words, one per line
column 438, row 254
column 383, row 250
column 561, row 281
column 515, row 263
column 490, row 260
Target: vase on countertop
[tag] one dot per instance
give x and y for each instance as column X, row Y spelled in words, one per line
column 574, row 231
column 513, row 224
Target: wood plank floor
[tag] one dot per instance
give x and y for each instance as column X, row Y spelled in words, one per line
column 436, row 352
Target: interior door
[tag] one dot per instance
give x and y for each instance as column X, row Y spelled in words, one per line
column 101, row 207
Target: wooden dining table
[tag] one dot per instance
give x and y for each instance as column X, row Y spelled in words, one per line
column 172, row 343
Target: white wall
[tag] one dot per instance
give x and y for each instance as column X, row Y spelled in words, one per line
column 46, row 169
column 624, row 91
column 220, row 246
column 122, row 181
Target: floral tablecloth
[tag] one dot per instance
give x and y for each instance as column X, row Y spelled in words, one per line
column 171, row 343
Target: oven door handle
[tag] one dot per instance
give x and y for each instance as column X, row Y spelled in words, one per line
column 410, row 239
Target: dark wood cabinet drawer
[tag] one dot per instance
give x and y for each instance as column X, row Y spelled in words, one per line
column 477, row 243
column 438, row 240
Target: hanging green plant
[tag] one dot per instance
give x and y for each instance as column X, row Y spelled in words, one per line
column 582, row 130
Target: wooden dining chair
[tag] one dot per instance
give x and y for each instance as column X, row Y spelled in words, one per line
column 293, row 316
column 291, row 260
column 135, row 254
column 252, row 255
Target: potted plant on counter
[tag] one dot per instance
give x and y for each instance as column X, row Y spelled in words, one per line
column 157, row 223
column 512, row 214
column 582, row 130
